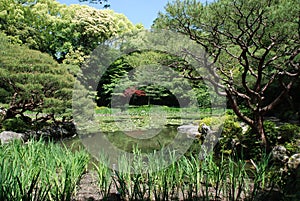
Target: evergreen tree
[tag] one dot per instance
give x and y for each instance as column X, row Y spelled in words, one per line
column 33, row 82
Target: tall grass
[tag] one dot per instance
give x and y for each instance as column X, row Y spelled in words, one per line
column 164, row 177
column 105, row 174
column 47, row 171
column 39, row 171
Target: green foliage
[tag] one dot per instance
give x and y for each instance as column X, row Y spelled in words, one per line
column 60, row 30
column 230, row 128
column 292, row 147
column 146, row 70
column 83, row 109
column 227, row 123
column 104, row 174
column 3, row 95
column 288, row 132
column 33, row 82
column 164, row 177
column 16, row 124
column 39, row 171
column 248, row 143
column 289, row 135
column 285, row 134
column 253, row 45
column 231, row 133
column 271, row 131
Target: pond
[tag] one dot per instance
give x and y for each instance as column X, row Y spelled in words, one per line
column 147, row 129
column 114, row 144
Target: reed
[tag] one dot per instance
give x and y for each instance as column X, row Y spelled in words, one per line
column 162, row 176
column 261, row 178
column 104, row 174
column 39, row 171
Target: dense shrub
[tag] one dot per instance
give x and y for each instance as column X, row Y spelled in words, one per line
column 285, row 134
column 16, row 124
column 289, row 135
column 228, row 126
column 231, row 133
column 271, row 131
column 288, row 132
column 248, row 144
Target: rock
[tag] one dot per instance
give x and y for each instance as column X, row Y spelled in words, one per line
column 244, row 127
column 190, row 130
column 205, row 129
column 59, row 131
column 294, row 161
column 7, row 136
column 279, row 153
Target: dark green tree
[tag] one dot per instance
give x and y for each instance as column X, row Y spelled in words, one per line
column 147, row 71
column 250, row 46
column 34, row 84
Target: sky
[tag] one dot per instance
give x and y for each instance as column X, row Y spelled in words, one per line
column 137, row 11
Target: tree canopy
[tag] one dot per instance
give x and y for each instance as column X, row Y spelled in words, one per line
column 250, row 46
column 138, row 69
column 33, row 82
column 58, row 29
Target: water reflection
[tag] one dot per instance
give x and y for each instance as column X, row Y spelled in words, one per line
column 119, row 143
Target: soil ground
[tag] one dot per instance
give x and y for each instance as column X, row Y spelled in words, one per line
column 89, row 191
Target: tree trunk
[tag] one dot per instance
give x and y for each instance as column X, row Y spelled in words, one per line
column 9, row 114
column 259, row 128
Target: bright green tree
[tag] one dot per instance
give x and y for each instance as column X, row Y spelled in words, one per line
column 33, row 82
column 251, row 45
column 62, row 31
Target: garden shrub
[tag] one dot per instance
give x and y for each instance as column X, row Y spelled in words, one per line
column 288, row 132
column 16, row 124
column 248, row 145
column 285, row 134
column 230, row 130
column 214, row 122
column 271, row 132
column 292, row 147
column 251, row 142
column 289, row 136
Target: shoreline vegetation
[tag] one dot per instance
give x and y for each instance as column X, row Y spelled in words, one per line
column 45, row 170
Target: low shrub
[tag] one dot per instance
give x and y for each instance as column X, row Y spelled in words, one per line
column 230, row 136
column 230, row 129
column 289, row 136
column 288, row 132
column 271, row 132
column 16, row 124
